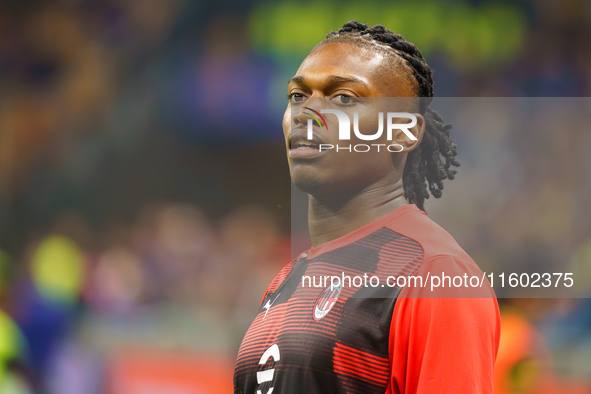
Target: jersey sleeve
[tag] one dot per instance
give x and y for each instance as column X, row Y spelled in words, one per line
column 444, row 340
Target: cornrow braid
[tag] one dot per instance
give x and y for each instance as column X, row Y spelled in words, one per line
column 430, row 163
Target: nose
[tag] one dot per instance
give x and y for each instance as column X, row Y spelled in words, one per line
column 309, row 110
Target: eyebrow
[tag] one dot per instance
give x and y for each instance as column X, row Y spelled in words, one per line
column 332, row 80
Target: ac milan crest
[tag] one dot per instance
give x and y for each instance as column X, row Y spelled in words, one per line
column 326, row 301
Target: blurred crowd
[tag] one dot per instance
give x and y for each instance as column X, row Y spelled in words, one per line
column 144, row 193
column 170, row 280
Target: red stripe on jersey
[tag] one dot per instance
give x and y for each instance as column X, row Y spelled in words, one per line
column 359, row 364
column 357, row 353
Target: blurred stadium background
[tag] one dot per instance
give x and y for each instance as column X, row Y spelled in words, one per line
column 141, row 220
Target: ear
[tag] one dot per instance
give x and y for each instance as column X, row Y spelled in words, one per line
column 402, row 137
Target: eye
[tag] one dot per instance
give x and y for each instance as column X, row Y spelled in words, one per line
column 344, row 99
column 296, row 98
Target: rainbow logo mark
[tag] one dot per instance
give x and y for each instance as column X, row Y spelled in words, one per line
column 315, row 118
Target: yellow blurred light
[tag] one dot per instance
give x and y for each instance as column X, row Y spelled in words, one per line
column 471, row 37
column 10, row 339
column 58, row 269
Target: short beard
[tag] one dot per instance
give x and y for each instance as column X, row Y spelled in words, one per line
column 311, row 187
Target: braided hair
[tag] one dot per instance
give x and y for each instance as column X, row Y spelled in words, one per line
column 430, row 163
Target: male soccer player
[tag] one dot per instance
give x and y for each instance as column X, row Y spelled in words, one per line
column 366, row 216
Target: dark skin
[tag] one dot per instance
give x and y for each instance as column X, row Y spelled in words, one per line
column 346, row 189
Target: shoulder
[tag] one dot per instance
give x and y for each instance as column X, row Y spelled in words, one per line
column 435, row 241
column 449, row 284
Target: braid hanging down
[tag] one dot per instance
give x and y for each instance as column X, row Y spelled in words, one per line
column 430, row 163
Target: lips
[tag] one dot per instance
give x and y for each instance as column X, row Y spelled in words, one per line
column 303, row 145
column 302, row 148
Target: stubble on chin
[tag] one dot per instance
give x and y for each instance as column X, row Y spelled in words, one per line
column 308, row 186
column 312, row 186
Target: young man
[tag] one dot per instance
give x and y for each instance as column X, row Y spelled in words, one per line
column 366, row 217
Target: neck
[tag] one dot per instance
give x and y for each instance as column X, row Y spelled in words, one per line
column 330, row 217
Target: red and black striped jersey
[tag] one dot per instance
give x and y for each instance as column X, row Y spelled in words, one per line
column 315, row 337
